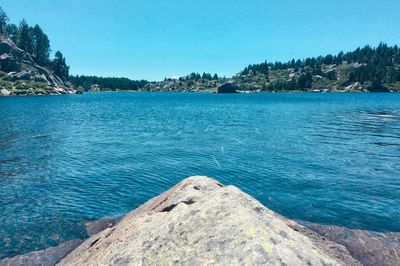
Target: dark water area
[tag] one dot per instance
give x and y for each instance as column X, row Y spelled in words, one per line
column 323, row 158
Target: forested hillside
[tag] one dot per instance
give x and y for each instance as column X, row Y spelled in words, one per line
column 193, row 82
column 364, row 69
column 35, row 42
column 26, row 66
column 94, row 83
column 25, row 63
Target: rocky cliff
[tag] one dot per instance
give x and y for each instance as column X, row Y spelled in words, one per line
column 20, row 75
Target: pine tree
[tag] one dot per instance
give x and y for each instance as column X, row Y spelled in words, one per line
column 41, row 48
column 25, row 38
column 3, row 20
column 12, row 32
column 59, row 66
column 328, row 60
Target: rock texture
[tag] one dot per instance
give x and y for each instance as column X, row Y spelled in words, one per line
column 370, row 248
column 47, row 257
column 97, row 226
column 20, row 75
column 201, row 222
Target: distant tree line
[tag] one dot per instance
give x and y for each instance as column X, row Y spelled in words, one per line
column 110, row 83
column 262, row 68
column 378, row 65
column 35, row 42
column 196, row 76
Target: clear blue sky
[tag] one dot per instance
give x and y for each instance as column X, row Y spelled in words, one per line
column 153, row 39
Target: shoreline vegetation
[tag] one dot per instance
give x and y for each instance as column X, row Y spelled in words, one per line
column 27, row 69
column 177, row 223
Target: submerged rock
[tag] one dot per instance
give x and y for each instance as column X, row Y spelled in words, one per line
column 47, row 257
column 201, row 222
column 370, row 248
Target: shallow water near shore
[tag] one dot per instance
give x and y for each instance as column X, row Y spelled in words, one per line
column 322, row 158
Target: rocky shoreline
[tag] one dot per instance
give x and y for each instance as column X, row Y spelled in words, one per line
column 201, row 222
column 6, row 93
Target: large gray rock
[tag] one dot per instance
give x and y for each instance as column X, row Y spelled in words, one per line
column 228, row 87
column 23, row 75
column 4, row 92
column 11, row 56
column 201, row 222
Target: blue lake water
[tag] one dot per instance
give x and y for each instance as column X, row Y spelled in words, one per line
column 324, row 158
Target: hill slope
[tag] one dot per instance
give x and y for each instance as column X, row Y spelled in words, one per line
column 20, row 75
column 334, row 78
column 363, row 70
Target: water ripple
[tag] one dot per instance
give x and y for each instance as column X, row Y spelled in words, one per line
column 332, row 159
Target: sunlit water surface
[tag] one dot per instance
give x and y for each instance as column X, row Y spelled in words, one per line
column 324, row 158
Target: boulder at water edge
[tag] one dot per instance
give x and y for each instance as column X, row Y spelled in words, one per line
column 201, row 222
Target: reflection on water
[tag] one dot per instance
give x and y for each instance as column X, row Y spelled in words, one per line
column 324, row 158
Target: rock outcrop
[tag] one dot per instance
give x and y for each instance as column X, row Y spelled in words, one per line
column 228, row 87
column 201, row 222
column 47, row 257
column 20, row 75
column 370, row 248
